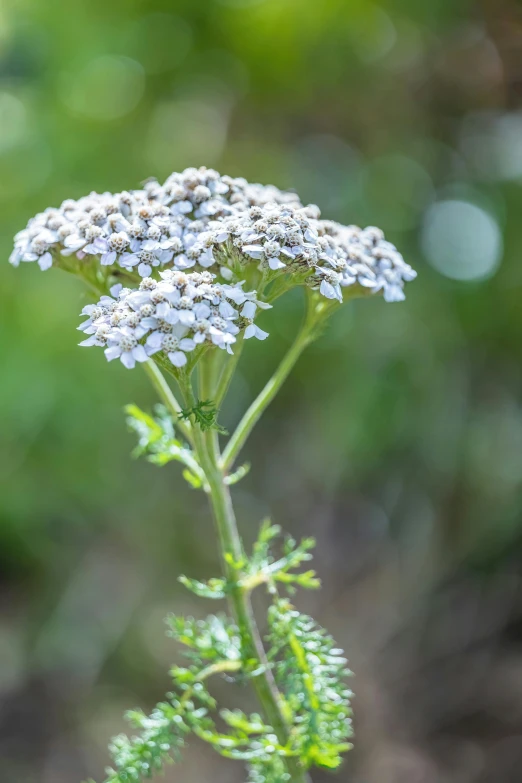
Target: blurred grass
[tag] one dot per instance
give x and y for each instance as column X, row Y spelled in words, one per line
column 398, row 439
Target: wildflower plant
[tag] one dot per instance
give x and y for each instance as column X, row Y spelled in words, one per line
column 179, row 273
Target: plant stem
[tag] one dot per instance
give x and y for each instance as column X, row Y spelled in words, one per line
column 166, row 394
column 228, row 371
column 265, row 397
column 207, row 450
column 253, row 649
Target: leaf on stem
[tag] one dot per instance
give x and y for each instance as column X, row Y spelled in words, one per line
column 161, row 737
column 310, row 672
column 263, row 567
column 250, row 739
column 214, row 639
column 204, row 413
column 213, row 588
column 158, row 443
column 214, row 648
column 237, row 475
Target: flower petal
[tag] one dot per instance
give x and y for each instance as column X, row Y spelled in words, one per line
column 178, row 358
column 128, row 360
column 114, row 352
column 187, row 344
column 45, row 261
column 139, row 353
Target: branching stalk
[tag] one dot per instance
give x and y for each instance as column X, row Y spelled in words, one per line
column 264, row 398
column 228, row 371
column 167, row 396
column 207, row 449
column 230, row 542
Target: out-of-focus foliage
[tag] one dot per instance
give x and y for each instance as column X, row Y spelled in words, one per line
column 398, row 439
column 309, row 669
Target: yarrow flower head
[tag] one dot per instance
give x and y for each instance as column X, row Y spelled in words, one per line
column 172, row 316
column 293, row 240
column 200, row 220
column 186, row 248
column 142, row 229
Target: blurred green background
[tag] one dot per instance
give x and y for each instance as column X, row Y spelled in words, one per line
column 397, row 441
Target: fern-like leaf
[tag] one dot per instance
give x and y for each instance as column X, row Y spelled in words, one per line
column 248, row 739
column 263, row 567
column 208, row 641
column 310, row 671
column 213, row 648
column 157, row 441
column 204, row 413
column 161, row 737
column 267, row 770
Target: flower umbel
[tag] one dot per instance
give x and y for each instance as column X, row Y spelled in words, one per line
column 289, row 239
column 172, row 316
column 201, row 220
column 181, row 271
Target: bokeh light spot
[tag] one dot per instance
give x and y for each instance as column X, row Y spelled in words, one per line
column 461, row 240
column 107, row 88
column 373, row 34
column 493, row 144
column 13, row 121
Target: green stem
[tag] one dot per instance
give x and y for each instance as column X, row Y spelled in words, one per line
column 166, row 394
column 265, row 397
column 253, row 649
column 207, row 450
column 228, row 371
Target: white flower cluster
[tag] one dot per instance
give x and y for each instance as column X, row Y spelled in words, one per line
column 294, row 239
column 196, row 218
column 375, row 262
column 173, row 315
column 142, row 229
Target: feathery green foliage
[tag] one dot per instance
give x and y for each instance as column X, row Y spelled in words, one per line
column 157, row 441
column 204, row 413
column 249, row 739
column 310, row 671
column 262, row 567
column 161, row 736
column 214, row 639
column 213, row 648
column 268, row 770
